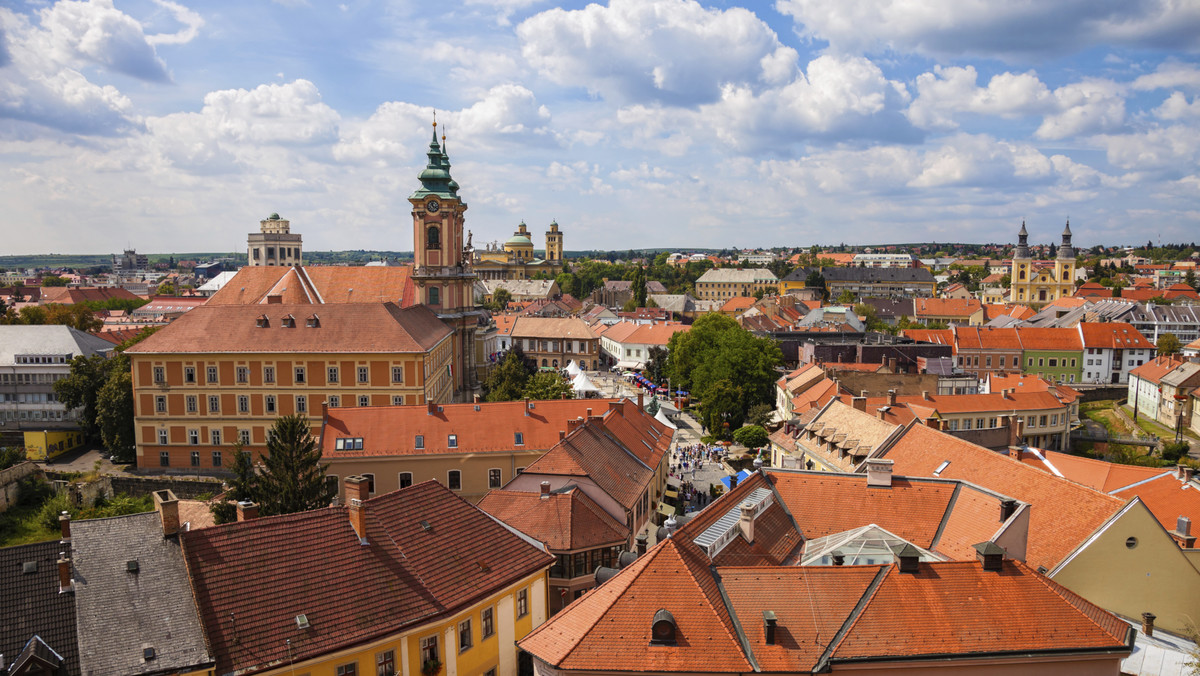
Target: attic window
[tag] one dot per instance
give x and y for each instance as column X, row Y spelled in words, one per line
column 483, row 567
column 262, row 322
column 29, row 567
column 147, row 654
column 132, row 566
column 426, row 526
column 941, row 468
column 662, row 631
column 289, row 322
column 312, row 322
column 302, row 621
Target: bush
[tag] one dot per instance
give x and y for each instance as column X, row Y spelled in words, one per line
column 1173, row 451
column 48, row 514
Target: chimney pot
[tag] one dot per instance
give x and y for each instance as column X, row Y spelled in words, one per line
column 1007, row 508
column 167, row 506
column 1148, row 623
column 1183, row 526
column 65, row 583
column 64, row 524
column 733, row 481
column 430, row 407
column 562, row 434
column 247, row 511
column 839, row 559
column 641, row 541
column 545, row 489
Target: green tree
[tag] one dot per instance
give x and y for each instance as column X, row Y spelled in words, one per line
column 1190, row 279
column 566, row 283
column 1168, row 343
column 639, row 287
column 500, row 299
column 845, row 298
column 54, row 280
column 165, row 289
column 816, row 280
column 114, row 411
column 759, row 414
column 547, row 385
column 243, row 486
column 751, row 436
column 292, row 478
column 506, row 381
column 80, row 389
column 658, row 365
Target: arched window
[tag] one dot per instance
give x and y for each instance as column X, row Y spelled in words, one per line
column 433, row 237
column 543, row 362
column 554, row 363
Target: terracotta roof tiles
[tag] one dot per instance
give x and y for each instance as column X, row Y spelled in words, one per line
column 565, row 520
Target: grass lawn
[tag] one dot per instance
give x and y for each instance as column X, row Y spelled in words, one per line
column 1156, row 428
column 20, row 526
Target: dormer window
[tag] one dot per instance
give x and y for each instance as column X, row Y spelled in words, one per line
column 312, row 322
column 289, row 322
column 662, row 631
column 262, row 322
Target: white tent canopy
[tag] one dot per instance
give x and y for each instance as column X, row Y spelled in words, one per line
column 581, row 384
column 661, row 416
column 573, row 369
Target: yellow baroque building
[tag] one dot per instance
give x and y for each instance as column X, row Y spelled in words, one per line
column 1036, row 283
column 515, row 259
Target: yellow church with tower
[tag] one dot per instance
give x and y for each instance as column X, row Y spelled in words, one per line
column 1036, row 283
column 515, row 259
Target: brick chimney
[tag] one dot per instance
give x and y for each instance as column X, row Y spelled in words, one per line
column 618, row 406
column 891, row 397
column 65, row 583
column 925, row 395
column 1188, row 473
column 430, row 407
column 746, row 523
column 357, row 491
column 641, row 401
column 545, row 490
column 247, row 511
column 574, row 423
column 64, row 525
column 167, row 506
column 879, row 472
column 733, row 482
column 1183, row 532
column 1008, row 507
column 859, row 404
column 990, row 554
column 1148, row 623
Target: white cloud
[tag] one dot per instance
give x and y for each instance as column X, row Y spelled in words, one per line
column 1003, row 29
column 1085, row 107
column 192, row 23
column 1170, row 75
column 643, row 51
column 1177, row 107
column 95, row 32
column 950, row 90
column 1171, row 149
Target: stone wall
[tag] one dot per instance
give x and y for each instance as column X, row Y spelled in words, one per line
column 9, row 488
column 183, row 487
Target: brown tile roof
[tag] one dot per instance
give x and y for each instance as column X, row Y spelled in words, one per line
column 946, row 307
column 1024, row 382
column 1063, row 514
column 1154, row 370
column 572, row 328
column 251, row 579
column 738, row 303
column 1038, row 338
column 991, row 311
column 985, row 338
column 318, row 284
column 69, row 295
column 566, row 520
column 117, row 336
column 939, row 336
column 392, row 430
column 344, row 328
column 656, row 334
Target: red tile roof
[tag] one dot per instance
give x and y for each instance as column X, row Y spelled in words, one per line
column 392, row 430
column 656, row 334
column 991, row 311
column 1063, row 514
column 1154, row 370
column 1113, row 335
column 939, row 336
column 251, row 579
column 1037, row 338
column 562, row 328
column 343, row 328
column 69, row 295
column 318, row 284
column 565, row 520
column 946, row 307
column 1168, row 498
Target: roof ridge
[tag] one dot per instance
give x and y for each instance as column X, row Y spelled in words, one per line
column 852, row 619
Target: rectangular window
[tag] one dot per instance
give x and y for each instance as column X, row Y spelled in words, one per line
column 966, row 424
column 160, row 404
column 210, row 375
column 215, row 436
column 243, row 374
column 397, row 374
column 194, row 437
column 1002, row 362
column 243, row 403
column 298, row 373
column 331, row 374
column 335, row 401
column 522, row 602
column 1054, row 419
column 162, row 437
column 405, row 479
column 268, row 374
column 364, row 400
column 1041, row 361
column 189, row 374
column 419, row 442
column 364, row 374
column 1072, row 363
column 244, row 437
column 301, row 403
column 348, row 669
column 160, row 375
column 1030, row 421
column 191, row 403
column 454, row 479
column 465, row 640
column 1043, row 421
column 269, row 402
column 452, row 441
column 164, row 459
column 518, row 439
column 493, row 478
column 988, row 361
column 397, row 400
column 1031, row 361
column 214, row 403
column 216, row 458
column 1053, row 362
column 195, row 458
column 429, row 649
column 385, row 663
column 487, row 624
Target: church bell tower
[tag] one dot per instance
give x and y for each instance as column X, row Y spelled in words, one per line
column 442, row 270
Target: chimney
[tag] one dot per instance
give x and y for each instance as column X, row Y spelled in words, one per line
column 247, row 511
column 430, row 407
column 1179, row 471
column 545, row 490
column 891, row 398
column 167, row 506
column 910, row 559
column 1188, row 473
column 1015, row 452
column 769, row 626
column 562, row 434
column 839, row 559
column 618, row 406
column 357, row 491
column 925, row 395
column 1007, row 508
column 525, row 408
column 747, row 521
column 879, row 472
column 641, row 540
column 990, row 554
column 64, row 525
column 1183, row 531
column 943, row 425
column 859, row 404
column 1006, row 393
column 573, row 423
column 1148, row 623
column 733, row 482
column 931, row 423
column 641, row 401
column 65, row 583
column 475, row 399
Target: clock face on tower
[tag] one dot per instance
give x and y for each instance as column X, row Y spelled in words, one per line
column 433, row 206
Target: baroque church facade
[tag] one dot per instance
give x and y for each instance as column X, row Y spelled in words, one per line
column 1036, row 283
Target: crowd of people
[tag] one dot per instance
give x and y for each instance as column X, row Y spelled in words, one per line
column 686, row 461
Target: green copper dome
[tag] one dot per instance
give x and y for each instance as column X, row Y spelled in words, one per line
column 518, row 240
column 435, row 178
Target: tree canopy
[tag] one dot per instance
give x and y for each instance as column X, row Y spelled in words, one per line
column 506, row 381
column 1168, row 343
column 547, row 385
column 292, row 478
column 751, row 436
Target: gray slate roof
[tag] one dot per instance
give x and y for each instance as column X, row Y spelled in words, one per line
column 47, row 339
column 877, row 275
column 119, row 613
column 30, row 604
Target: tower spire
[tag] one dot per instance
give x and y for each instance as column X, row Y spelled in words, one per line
column 1022, row 250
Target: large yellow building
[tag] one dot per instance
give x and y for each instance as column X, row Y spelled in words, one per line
column 515, row 259
column 222, row 374
column 1036, row 283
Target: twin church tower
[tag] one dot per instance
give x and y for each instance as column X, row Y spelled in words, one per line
column 1039, row 282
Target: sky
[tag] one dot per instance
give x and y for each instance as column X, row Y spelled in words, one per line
column 177, row 125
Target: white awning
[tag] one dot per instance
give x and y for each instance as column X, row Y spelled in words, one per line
column 631, row 364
